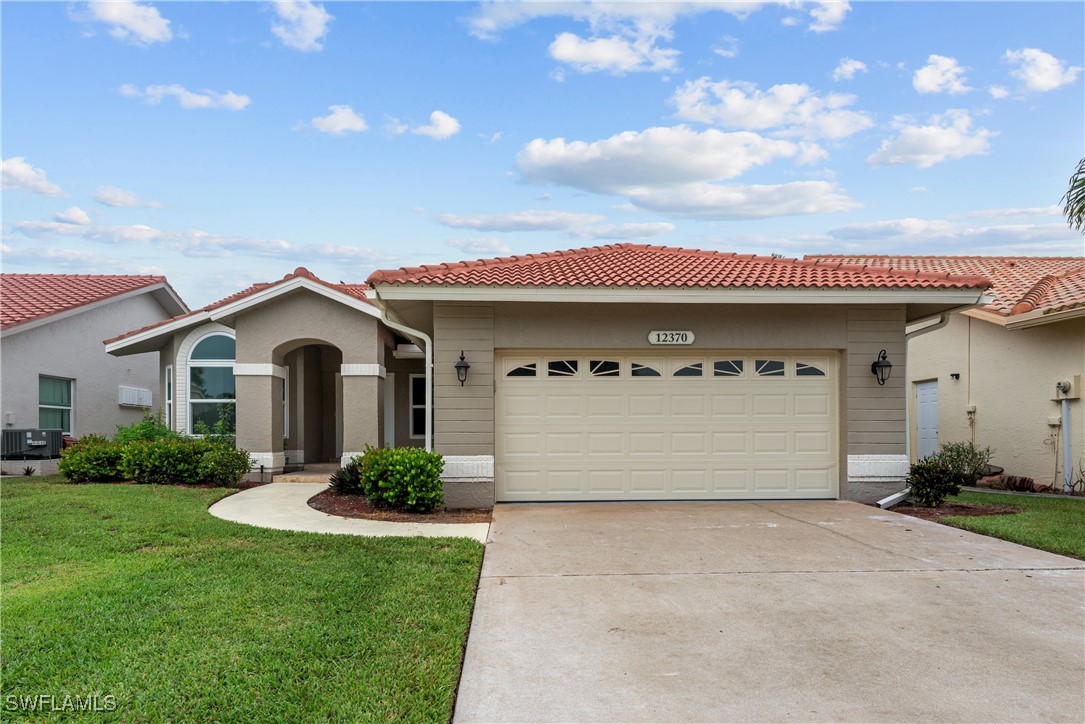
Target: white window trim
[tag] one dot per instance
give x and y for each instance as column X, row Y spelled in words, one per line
column 69, row 407
column 170, row 386
column 412, row 406
column 180, row 380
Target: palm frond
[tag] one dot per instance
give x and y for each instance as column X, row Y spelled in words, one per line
column 1074, row 199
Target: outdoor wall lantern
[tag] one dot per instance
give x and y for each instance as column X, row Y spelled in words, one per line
column 881, row 368
column 461, row 369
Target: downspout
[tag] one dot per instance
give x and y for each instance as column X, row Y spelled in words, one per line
column 943, row 320
column 1062, row 389
column 415, row 335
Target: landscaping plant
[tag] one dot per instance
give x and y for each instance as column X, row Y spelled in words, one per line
column 931, row 482
column 966, row 462
column 91, row 459
column 348, row 479
column 151, row 427
column 405, row 478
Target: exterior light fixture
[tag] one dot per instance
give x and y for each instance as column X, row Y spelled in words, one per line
column 881, row 368
column 461, row 369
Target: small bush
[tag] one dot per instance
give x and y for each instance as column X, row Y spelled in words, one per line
column 931, row 482
column 223, row 466
column 348, row 479
column 965, row 462
column 152, row 427
column 406, row 478
column 91, row 459
column 164, row 462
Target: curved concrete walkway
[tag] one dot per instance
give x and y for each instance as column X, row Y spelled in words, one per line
column 285, row 506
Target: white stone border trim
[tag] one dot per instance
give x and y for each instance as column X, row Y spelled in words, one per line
column 468, row 468
column 362, row 370
column 877, row 468
column 267, row 459
column 252, row 369
column 346, row 458
column 296, row 457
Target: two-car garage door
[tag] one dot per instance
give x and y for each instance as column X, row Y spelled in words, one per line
column 604, row 425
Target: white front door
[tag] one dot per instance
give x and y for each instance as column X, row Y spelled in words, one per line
column 926, row 416
column 666, row 424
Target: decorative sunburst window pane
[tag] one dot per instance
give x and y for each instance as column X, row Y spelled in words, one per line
column 769, row 367
column 805, row 370
column 605, row 368
column 561, row 368
column 639, row 370
column 727, row 368
column 527, row 370
column 694, row 370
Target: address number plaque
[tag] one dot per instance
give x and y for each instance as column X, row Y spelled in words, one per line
column 670, row 337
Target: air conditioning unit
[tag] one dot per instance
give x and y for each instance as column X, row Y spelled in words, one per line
column 32, row 444
column 134, row 397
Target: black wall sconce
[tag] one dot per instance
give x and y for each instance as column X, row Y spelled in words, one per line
column 955, row 375
column 461, row 369
column 881, row 368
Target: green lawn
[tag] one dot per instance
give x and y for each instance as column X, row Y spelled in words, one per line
column 1050, row 524
column 137, row 592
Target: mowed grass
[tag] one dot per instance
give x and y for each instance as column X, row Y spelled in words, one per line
column 137, row 592
column 1051, row 524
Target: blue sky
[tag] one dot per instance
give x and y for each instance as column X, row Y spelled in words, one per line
column 226, row 143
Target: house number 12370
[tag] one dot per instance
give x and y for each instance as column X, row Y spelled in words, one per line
column 670, row 337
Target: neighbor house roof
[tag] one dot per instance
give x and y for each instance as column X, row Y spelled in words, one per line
column 1019, row 285
column 356, row 291
column 26, row 298
column 640, row 265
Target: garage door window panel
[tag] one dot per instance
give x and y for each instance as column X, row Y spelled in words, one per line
column 523, row 370
column 770, row 368
column 728, row 368
column 810, row 369
column 692, row 369
column 645, row 369
column 605, row 368
column 562, row 368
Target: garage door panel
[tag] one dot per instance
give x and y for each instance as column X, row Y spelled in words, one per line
column 667, row 426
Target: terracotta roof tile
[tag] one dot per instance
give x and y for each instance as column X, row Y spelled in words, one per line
column 640, row 265
column 1019, row 284
column 358, row 291
column 28, row 297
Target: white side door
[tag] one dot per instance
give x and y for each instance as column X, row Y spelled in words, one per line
column 926, row 408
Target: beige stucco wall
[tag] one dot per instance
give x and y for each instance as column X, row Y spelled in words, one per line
column 1009, row 375
column 872, row 417
column 72, row 348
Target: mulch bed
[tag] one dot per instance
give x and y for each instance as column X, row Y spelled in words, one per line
column 921, row 511
column 356, row 506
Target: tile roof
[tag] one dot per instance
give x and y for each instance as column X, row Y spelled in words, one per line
column 354, row 290
column 641, row 265
column 1019, row 284
column 28, row 297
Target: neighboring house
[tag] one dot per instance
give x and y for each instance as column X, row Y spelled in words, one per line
column 988, row 375
column 622, row 372
column 56, row 373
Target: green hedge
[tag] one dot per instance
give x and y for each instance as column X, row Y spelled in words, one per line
column 405, row 478
column 92, row 459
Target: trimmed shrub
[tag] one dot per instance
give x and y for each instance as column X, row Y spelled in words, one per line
column 931, row 482
column 965, row 462
column 223, row 466
column 91, row 459
column 348, row 479
column 405, row 478
column 152, row 427
column 164, row 462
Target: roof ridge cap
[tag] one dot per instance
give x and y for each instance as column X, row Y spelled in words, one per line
column 1031, row 299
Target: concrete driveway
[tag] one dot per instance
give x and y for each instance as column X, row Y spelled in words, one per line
column 800, row 611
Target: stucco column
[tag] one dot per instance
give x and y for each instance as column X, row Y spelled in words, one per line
column 362, row 407
column 260, row 414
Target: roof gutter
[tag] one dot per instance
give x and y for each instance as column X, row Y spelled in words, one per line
column 415, row 335
column 941, row 319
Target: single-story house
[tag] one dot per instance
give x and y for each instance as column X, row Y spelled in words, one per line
column 55, row 373
column 619, row 372
column 988, row 375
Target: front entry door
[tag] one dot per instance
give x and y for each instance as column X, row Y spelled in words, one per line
column 926, row 405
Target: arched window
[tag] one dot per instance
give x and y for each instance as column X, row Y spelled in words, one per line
column 212, row 394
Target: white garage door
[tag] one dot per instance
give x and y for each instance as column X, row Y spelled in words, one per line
column 576, row 425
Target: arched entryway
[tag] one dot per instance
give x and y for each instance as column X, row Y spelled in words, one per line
column 312, row 402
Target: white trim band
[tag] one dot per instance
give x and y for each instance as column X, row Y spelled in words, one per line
column 252, row 369
column 269, row 460
column 877, row 468
column 356, row 370
column 468, row 468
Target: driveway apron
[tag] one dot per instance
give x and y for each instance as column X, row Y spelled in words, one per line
column 793, row 611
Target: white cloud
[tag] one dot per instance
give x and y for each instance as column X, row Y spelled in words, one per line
column 128, row 21
column 847, row 68
column 441, row 126
column 18, row 174
column 655, row 156
column 1052, row 210
column 119, row 198
column 154, row 94
column 727, row 47
column 828, row 15
column 941, row 74
column 485, row 247
column 998, row 92
column 912, row 235
column 791, row 108
column 340, row 120
column 614, row 54
column 947, row 136
column 302, row 24
column 623, row 231
column 38, row 256
column 730, row 202
column 1038, row 70
column 520, row 221
column 74, row 215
